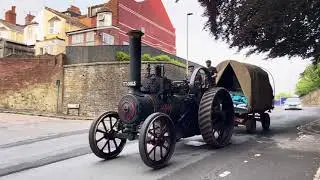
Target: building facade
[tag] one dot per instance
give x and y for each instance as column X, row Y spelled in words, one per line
column 47, row 31
column 110, row 22
column 9, row 29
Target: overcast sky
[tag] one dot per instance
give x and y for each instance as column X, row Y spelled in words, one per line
column 201, row 45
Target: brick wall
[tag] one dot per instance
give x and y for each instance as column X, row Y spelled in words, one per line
column 30, row 84
column 97, row 87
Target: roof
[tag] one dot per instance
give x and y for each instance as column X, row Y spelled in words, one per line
column 72, row 20
column 14, row 27
column 252, row 80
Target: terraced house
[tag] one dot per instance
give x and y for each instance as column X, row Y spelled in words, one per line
column 9, row 30
column 47, row 31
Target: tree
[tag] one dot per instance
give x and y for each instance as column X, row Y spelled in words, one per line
column 309, row 81
column 275, row 27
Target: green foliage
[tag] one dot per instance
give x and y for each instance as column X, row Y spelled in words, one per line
column 146, row 57
column 283, row 95
column 309, row 81
column 275, row 27
column 122, row 56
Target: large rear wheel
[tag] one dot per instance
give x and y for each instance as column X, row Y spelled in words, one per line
column 157, row 140
column 103, row 139
column 216, row 117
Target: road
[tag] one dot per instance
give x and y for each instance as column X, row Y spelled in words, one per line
column 282, row 153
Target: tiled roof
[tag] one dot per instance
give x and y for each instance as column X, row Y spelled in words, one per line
column 18, row 28
column 73, row 21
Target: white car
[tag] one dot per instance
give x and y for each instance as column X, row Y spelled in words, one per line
column 292, row 103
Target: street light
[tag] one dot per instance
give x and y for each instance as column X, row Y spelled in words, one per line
column 188, row 14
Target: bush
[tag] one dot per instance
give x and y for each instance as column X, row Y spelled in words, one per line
column 122, row 56
column 309, row 81
column 146, row 57
column 162, row 58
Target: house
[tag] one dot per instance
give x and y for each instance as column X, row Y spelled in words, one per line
column 109, row 22
column 47, row 30
column 9, row 29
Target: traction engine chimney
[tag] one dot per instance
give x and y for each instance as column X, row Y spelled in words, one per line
column 135, row 58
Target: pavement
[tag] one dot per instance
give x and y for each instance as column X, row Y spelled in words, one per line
column 38, row 147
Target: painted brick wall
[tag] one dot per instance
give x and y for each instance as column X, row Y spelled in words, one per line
column 97, row 87
column 30, row 84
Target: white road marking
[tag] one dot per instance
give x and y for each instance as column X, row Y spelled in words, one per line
column 245, row 161
column 224, row 174
column 257, row 155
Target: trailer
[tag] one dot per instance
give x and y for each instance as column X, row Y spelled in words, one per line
column 251, row 92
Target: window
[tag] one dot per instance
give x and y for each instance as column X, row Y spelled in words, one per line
column 90, row 39
column 77, row 39
column 41, row 51
column 104, row 19
column 107, row 39
column 53, row 27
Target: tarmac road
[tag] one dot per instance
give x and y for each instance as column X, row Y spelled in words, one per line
column 282, row 153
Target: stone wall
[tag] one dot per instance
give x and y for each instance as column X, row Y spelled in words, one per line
column 30, row 83
column 312, row 98
column 97, row 87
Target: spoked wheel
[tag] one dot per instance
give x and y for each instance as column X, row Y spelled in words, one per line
column 157, row 140
column 265, row 121
column 103, row 139
column 216, row 117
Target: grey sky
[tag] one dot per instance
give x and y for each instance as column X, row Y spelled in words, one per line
column 201, row 45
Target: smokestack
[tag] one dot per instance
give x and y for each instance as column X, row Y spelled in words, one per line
column 10, row 16
column 135, row 57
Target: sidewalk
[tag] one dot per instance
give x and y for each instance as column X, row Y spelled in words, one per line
column 16, row 129
column 46, row 114
column 32, row 141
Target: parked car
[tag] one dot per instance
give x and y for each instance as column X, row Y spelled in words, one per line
column 293, row 103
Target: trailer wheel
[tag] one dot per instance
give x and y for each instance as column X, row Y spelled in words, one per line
column 157, row 140
column 265, row 121
column 216, row 117
column 103, row 139
column 251, row 125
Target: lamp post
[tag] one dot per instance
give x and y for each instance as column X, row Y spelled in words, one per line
column 188, row 14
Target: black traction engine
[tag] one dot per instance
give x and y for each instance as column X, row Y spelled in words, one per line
column 158, row 112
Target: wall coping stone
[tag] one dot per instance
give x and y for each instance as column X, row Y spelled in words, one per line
column 117, row 62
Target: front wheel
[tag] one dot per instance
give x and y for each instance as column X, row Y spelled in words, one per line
column 103, row 139
column 157, row 140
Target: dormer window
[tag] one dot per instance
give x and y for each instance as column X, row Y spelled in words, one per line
column 54, row 25
column 104, row 19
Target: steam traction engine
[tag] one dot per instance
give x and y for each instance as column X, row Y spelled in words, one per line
column 159, row 111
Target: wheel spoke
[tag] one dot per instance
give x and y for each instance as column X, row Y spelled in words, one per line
column 115, row 143
column 105, row 145
column 110, row 122
column 104, row 126
column 167, row 148
column 100, row 131
column 161, row 155
column 154, row 153
column 154, row 147
column 100, row 139
column 114, row 124
column 109, row 148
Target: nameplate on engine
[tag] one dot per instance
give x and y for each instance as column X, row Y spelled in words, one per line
column 130, row 83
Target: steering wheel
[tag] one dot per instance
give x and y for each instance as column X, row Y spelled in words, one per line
column 200, row 80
